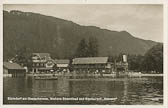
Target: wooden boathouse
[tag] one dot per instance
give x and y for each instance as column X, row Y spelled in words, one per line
column 13, row 70
column 92, row 65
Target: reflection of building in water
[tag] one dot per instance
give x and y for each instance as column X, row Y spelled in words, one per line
column 96, row 89
column 50, row 88
column 63, row 87
column 44, row 88
column 125, row 95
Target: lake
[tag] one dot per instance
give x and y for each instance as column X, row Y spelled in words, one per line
column 91, row 91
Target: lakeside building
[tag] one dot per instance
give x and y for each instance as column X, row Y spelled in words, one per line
column 122, row 65
column 62, row 65
column 41, row 62
column 13, row 69
column 92, row 65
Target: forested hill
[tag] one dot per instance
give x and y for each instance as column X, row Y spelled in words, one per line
column 60, row 37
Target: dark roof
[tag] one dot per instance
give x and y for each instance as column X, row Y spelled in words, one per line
column 12, row 65
column 45, row 56
column 62, row 61
column 90, row 60
column 42, row 55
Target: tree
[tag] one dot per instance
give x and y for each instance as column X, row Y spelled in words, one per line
column 93, row 47
column 90, row 49
column 23, row 56
column 82, row 49
column 153, row 60
column 135, row 62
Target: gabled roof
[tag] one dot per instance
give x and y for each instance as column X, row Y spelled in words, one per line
column 42, row 55
column 12, row 65
column 90, row 60
column 62, row 61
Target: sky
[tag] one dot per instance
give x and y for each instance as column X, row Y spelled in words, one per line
column 144, row 21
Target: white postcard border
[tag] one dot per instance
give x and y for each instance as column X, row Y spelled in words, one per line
column 164, row 2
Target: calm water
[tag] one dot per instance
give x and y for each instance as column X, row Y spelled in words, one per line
column 123, row 91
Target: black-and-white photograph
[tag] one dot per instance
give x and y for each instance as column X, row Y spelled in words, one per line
column 83, row 54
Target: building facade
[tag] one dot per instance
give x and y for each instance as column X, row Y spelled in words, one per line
column 122, row 65
column 13, row 70
column 62, row 65
column 41, row 63
column 92, row 65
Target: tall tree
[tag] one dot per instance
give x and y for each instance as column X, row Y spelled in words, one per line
column 93, row 47
column 82, row 49
column 135, row 62
column 153, row 60
column 23, row 56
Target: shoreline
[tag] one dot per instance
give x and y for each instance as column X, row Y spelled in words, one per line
column 91, row 75
column 113, row 75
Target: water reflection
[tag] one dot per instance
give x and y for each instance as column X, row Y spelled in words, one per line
column 145, row 90
column 50, row 88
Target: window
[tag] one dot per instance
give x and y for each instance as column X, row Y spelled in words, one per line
column 41, row 64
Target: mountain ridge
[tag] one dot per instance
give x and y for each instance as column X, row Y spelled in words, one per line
column 61, row 37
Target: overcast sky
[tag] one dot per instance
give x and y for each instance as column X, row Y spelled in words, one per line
column 143, row 21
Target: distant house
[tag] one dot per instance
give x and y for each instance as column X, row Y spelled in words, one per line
column 41, row 62
column 13, row 69
column 92, row 64
column 122, row 65
column 62, row 64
